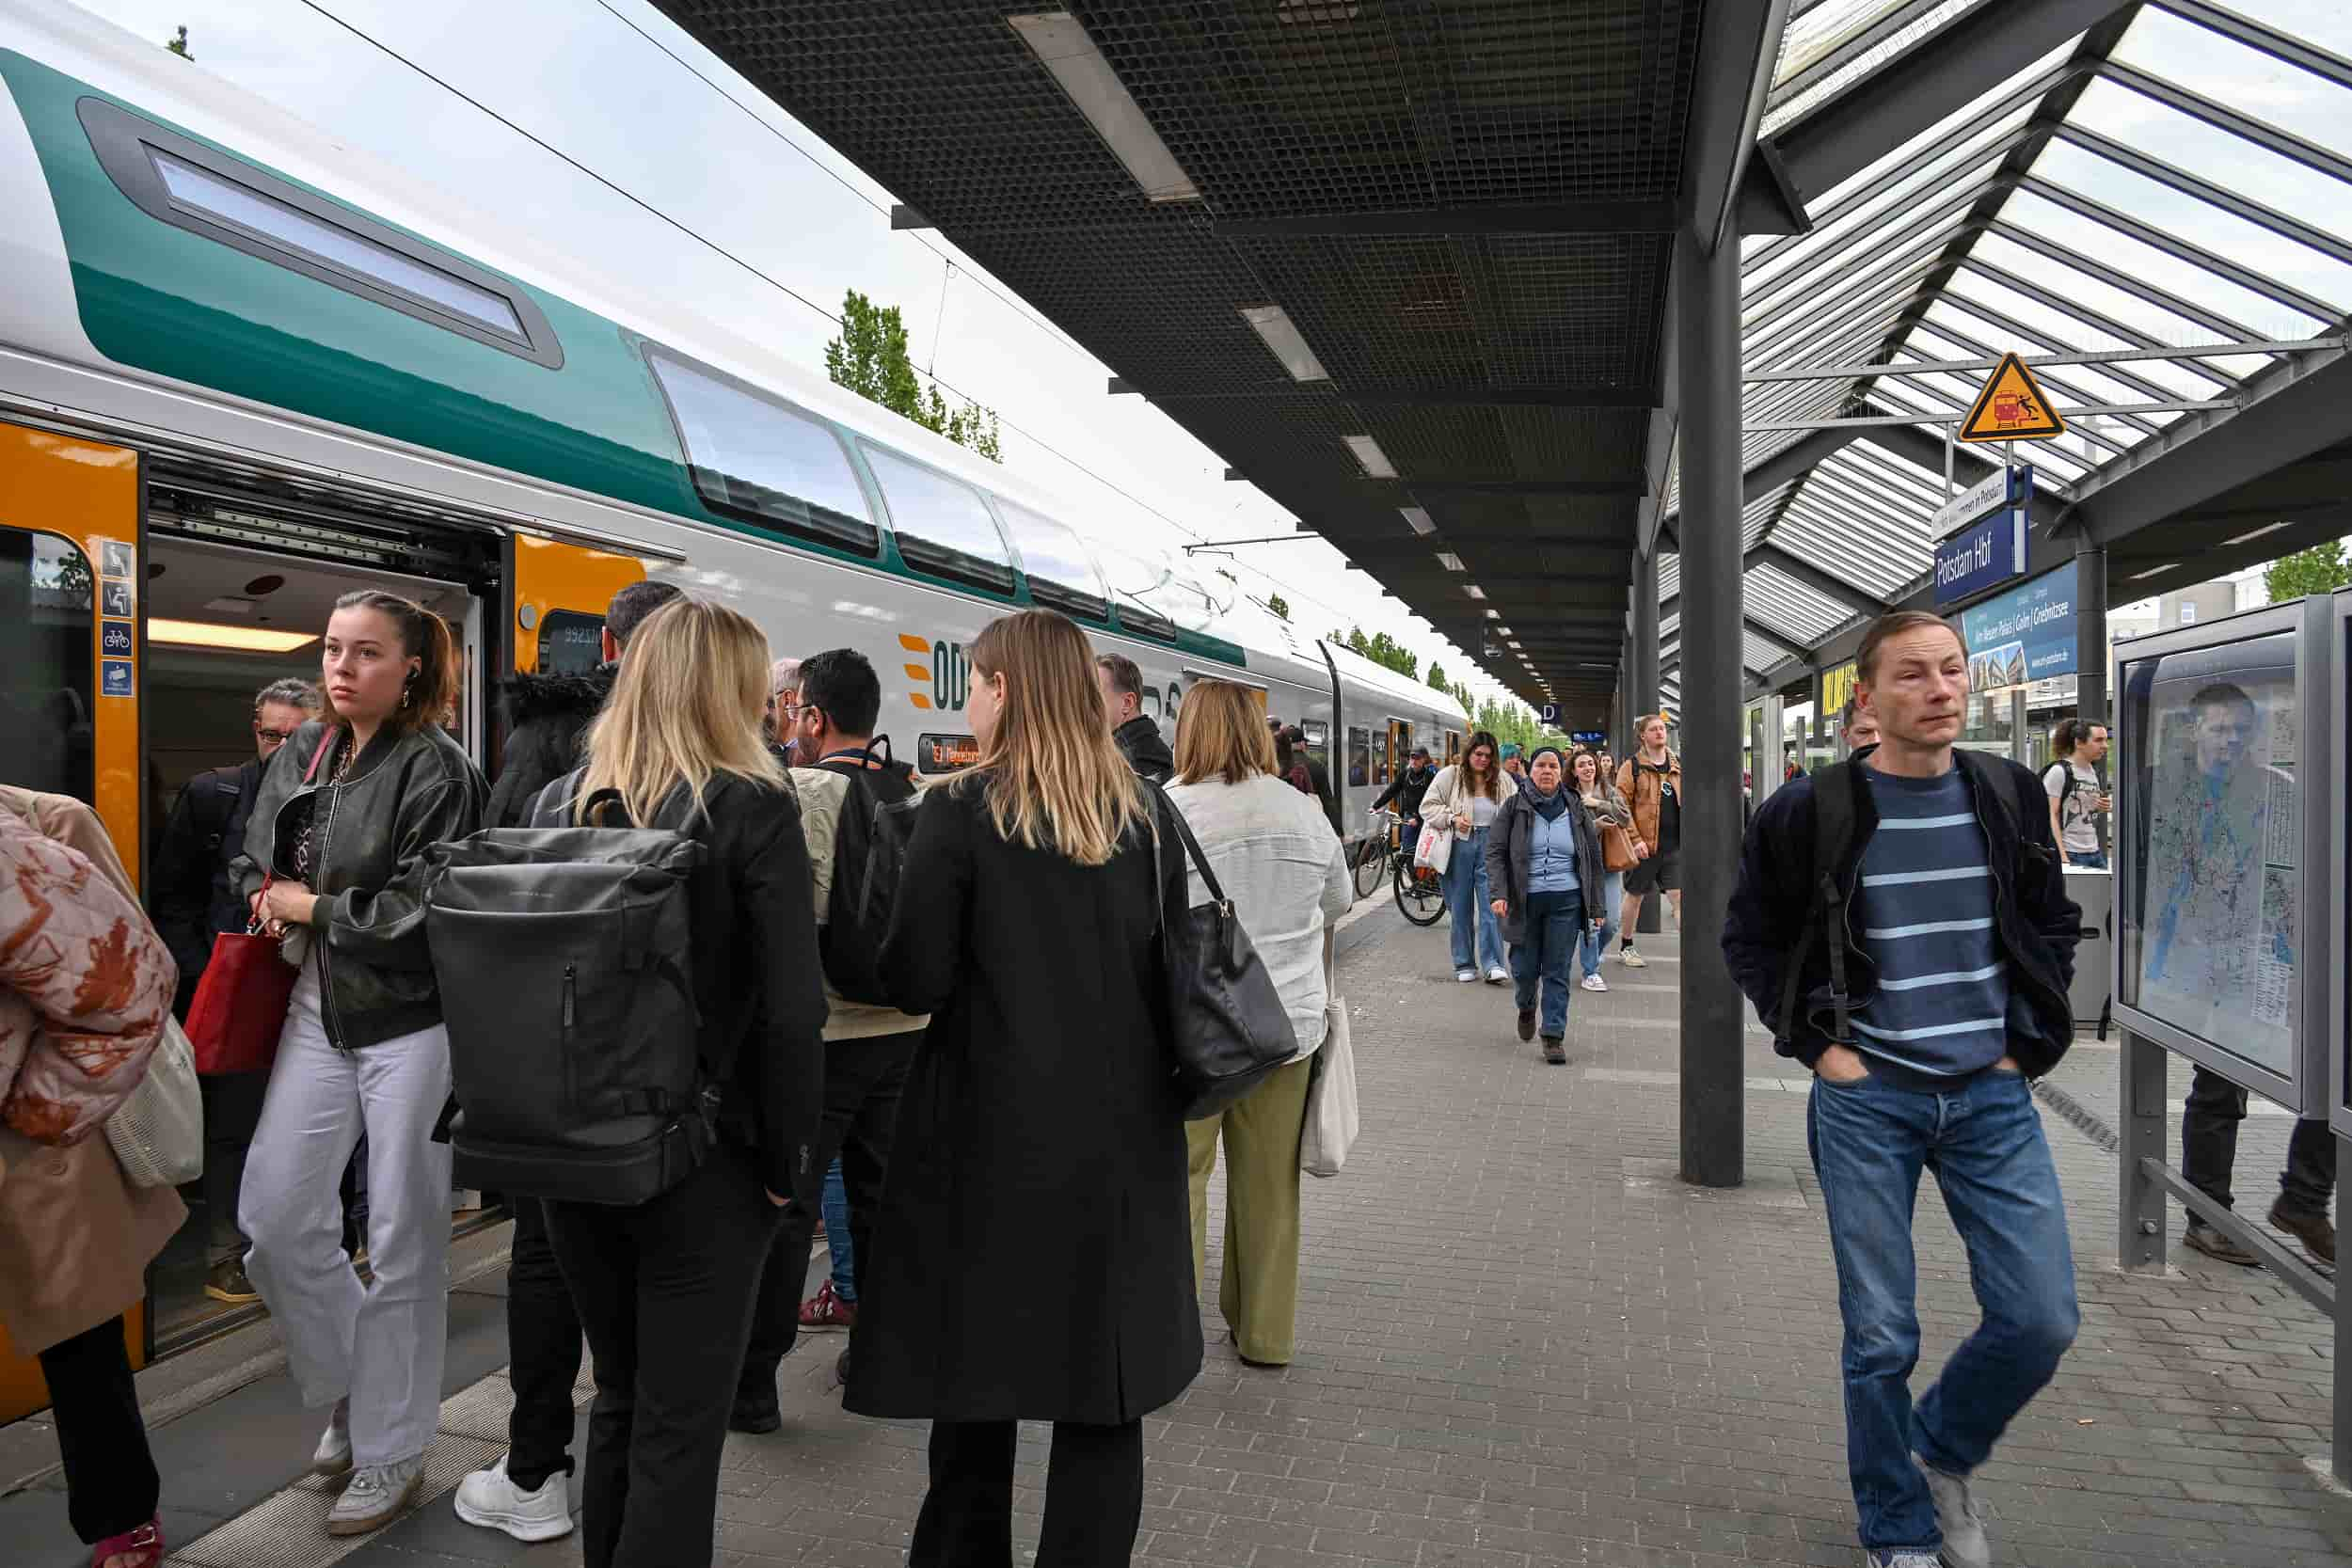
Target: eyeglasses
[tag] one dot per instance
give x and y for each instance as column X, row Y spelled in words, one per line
column 275, row 737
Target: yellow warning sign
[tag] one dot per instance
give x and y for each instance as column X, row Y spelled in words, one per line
column 2011, row 407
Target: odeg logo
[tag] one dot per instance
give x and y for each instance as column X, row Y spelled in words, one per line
column 951, row 676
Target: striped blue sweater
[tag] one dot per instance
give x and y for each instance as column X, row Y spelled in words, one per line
column 1923, row 914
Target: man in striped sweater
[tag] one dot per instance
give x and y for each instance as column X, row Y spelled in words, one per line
column 1923, row 988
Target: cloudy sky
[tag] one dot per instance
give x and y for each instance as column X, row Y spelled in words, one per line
column 757, row 183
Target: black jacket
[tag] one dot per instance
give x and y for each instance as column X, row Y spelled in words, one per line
column 759, row 980
column 404, row 792
column 547, row 718
column 1510, row 848
column 1407, row 792
column 1140, row 743
column 195, row 897
column 2034, row 921
column 1040, row 1139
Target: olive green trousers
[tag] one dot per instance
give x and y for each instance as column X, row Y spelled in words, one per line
column 1259, row 1290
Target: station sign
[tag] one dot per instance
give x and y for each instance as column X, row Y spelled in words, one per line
column 1984, row 536
column 1589, row 737
column 1551, row 714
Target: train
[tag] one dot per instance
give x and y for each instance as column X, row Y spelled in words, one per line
column 245, row 368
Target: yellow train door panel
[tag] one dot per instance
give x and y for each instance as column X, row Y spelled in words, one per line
column 71, row 581
column 558, row 593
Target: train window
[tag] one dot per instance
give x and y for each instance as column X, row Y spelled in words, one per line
column 206, row 191
column 46, row 709
column 571, row 642
column 945, row 753
column 1139, row 580
column 1358, row 757
column 1061, row 575
column 941, row 524
column 1318, row 736
column 759, row 459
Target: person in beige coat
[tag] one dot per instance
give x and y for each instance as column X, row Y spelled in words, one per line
column 86, row 984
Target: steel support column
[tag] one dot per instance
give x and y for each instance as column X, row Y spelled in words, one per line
column 1714, row 1014
column 2091, row 630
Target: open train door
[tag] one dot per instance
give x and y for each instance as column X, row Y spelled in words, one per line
column 72, row 566
column 556, row 593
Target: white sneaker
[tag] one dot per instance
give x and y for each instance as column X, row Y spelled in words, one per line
column 1468, row 976
column 488, row 1498
column 1594, row 982
column 1631, row 959
column 376, row 1496
column 1498, row 976
column 333, row 1456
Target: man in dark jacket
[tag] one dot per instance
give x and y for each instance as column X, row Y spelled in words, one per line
column 194, row 901
column 1138, row 734
column 1923, row 989
column 1410, row 786
column 525, row 1493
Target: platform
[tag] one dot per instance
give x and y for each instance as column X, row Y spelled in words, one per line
column 1522, row 1342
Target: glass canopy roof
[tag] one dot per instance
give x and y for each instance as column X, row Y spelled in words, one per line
column 2158, row 214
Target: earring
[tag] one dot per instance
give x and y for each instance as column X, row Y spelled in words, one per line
column 408, row 693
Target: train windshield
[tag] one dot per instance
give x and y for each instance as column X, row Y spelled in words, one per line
column 1060, row 574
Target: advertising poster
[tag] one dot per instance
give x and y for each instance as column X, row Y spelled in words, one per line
column 2218, row 872
column 2025, row 635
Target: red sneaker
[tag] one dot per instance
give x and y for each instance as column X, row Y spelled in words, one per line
column 824, row 1310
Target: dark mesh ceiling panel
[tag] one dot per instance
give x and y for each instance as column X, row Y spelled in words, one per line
column 1470, row 353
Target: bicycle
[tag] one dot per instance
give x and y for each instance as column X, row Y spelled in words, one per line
column 1420, row 893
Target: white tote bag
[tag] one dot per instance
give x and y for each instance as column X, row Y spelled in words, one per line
column 158, row 1133
column 1331, row 1118
column 1436, row 849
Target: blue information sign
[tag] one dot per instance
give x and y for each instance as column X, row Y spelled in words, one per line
column 1589, row 737
column 1551, row 713
column 116, row 639
column 1980, row 555
column 115, row 678
column 2027, row 634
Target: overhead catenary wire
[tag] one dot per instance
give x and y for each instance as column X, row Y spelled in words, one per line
column 774, row 282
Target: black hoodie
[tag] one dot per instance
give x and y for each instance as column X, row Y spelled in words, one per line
column 547, row 722
column 1139, row 741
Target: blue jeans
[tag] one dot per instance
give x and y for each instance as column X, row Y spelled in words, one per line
column 2095, row 860
column 1554, row 928
column 1869, row 1142
column 835, row 1207
column 1472, row 905
column 1596, row 944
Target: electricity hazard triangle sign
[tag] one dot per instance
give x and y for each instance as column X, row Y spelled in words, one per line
column 2011, row 407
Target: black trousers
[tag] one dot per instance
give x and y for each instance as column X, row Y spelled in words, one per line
column 865, row 1080
column 1093, row 1496
column 2209, row 1148
column 110, row 1479
column 543, row 1336
column 664, row 1291
column 232, row 1109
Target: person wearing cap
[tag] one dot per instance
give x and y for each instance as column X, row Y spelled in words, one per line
column 1545, row 869
column 1515, row 765
column 1410, row 786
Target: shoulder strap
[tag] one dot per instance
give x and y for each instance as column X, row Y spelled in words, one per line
column 1834, row 790
column 318, row 756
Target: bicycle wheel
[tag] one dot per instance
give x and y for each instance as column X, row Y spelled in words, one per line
column 1371, row 866
column 1418, row 894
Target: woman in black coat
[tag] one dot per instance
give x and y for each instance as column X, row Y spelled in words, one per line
column 1032, row 1260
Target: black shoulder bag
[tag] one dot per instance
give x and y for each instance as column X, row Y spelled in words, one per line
column 1229, row 1028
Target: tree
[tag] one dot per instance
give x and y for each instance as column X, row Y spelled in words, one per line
column 1279, row 607
column 2321, row 569
column 871, row 359
column 1436, row 676
column 180, row 45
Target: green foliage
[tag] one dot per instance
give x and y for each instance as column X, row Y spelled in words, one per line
column 1380, row 648
column 2321, row 569
column 180, row 45
column 870, row 358
column 1279, row 607
column 1436, row 677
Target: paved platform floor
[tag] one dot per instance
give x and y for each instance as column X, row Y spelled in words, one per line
column 1524, row 1343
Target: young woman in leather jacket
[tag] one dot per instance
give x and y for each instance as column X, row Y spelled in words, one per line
column 334, row 865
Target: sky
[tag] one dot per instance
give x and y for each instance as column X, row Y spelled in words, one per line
column 760, row 185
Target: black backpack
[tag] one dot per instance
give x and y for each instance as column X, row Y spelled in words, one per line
column 1834, row 817
column 567, row 988
column 869, row 853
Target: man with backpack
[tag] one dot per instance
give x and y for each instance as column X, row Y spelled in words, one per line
column 1901, row 925
column 525, row 1493
column 2076, row 797
column 194, row 901
column 846, row 781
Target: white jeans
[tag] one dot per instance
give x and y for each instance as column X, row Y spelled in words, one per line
column 381, row 1344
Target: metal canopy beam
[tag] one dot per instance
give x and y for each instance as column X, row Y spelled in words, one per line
column 1939, row 76
column 1583, row 217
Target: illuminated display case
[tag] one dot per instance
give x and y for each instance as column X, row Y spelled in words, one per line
column 2224, row 833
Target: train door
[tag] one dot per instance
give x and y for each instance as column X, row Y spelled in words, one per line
column 71, row 580
column 556, row 595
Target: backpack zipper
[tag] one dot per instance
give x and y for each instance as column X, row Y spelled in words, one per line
column 571, row 979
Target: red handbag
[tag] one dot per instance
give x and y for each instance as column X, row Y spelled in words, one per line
column 240, row 1005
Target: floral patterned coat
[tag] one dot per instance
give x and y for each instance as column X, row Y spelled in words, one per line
column 85, row 987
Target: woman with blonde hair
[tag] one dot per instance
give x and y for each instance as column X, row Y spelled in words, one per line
column 1277, row 860
column 1029, row 1260
column 665, row 1288
column 334, row 862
